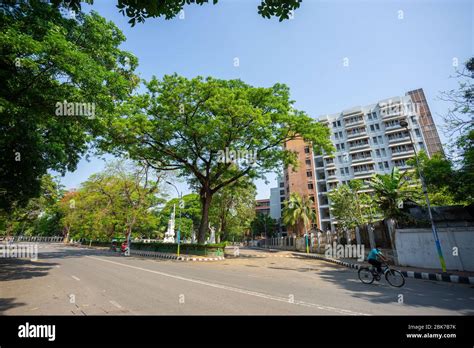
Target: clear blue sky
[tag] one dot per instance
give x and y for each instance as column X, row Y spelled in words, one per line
column 387, row 55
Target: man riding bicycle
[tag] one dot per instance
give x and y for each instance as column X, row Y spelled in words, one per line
column 373, row 257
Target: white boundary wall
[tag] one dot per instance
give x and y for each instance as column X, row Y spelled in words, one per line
column 416, row 247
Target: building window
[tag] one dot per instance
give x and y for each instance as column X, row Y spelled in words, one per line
column 336, row 135
column 377, row 127
column 374, row 139
column 374, row 115
column 282, row 192
column 380, row 165
column 338, row 123
column 282, row 199
column 369, row 116
column 383, row 152
column 385, row 164
column 340, row 135
column 310, row 186
column 421, row 145
column 308, row 161
column 338, row 147
column 377, row 152
column 334, row 124
column 372, row 129
column 380, row 139
column 343, row 146
column 417, row 132
column 309, row 174
column 306, row 149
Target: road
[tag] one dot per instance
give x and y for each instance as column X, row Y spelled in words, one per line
column 67, row 280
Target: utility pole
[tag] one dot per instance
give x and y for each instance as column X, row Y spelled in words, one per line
column 404, row 124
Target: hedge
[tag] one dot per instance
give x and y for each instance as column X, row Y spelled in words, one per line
column 191, row 249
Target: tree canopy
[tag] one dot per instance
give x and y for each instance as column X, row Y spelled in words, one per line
column 185, row 125
column 48, row 59
column 139, row 10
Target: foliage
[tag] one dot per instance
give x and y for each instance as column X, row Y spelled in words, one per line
column 263, row 224
column 190, row 215
column 350, row 207
column 459, row 125
column 139, row 10
column 39, row 217
column 391, row 190
column 233, row 209
column 48, row 59
column 298, row 212
column 169, row 127
column 196, row 249
column 119, row 200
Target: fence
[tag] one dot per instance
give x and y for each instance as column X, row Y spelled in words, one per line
column 39, row 239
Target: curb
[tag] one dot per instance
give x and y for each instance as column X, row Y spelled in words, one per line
column 168, row 256
column 408, row 274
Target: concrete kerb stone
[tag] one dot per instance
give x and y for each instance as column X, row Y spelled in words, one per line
column 159, row 255
column 407, row 274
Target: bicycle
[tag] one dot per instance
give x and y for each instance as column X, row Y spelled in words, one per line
column 395, row 278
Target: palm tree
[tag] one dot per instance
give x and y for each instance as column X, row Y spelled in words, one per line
column 298, row 212
column 391, row 190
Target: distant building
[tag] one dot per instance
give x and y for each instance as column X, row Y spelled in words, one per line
column 368, row 139
column 262, row 206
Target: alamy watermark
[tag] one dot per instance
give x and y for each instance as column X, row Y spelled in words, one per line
column 246, row 157
column 338, row 251
column 66, row 108
column 19, row 251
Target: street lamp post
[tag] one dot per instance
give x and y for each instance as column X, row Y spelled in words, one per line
column 404, row 124
column 180, row 209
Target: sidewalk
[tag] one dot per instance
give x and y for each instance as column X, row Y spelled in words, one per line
column 409, row 272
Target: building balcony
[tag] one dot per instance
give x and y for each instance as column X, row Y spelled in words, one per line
column 354, row 148
column 359, row 135
column 403, row 154
column 362, row 162
column 364, row 172
column 353, row 124
column 398, row 140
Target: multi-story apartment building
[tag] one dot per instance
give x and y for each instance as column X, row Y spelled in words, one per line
column 262, row 206
column 368, row 139
column 302, row 178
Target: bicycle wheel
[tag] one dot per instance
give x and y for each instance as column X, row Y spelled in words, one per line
column 395, row 278
column 365, row 275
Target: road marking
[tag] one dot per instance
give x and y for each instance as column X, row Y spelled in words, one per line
column 74, row 277
column 116, row 304
column 238, row 290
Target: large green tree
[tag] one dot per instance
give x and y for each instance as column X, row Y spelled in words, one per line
column 459, row 126
column 186, row 125
column 40, row 216
column 120, row 200
column 47, row 59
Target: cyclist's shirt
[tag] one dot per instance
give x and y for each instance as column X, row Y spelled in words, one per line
column 373, row 254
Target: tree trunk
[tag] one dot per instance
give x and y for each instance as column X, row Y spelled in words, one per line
column 206, row 199
column 370, row 231
column 390, row 223
column 358, row 239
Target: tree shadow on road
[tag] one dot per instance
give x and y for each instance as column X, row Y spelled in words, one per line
column 416, row 293
column 15, row 269
column 9, row 303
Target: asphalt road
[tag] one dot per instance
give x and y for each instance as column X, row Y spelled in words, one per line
column 68, row 280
